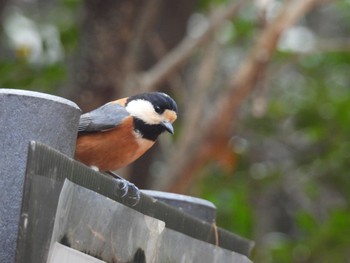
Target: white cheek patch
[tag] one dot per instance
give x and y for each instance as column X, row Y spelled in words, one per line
column 143, row 110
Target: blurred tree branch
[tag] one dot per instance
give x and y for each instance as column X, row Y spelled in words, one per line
column 212, row 142
column 145, row 24
column 159, row 50
column 168, row 65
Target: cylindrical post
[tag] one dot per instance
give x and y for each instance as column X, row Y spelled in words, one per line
column 196, row 207
column 26, row 116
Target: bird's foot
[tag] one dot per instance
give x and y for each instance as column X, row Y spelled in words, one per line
column 128, row 192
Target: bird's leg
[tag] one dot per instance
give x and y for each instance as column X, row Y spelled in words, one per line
column 115, row 175
column 126, row 190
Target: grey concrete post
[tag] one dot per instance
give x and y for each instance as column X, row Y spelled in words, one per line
column 197, row 207
column 25, row 116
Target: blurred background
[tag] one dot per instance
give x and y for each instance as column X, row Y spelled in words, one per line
column 263, row 89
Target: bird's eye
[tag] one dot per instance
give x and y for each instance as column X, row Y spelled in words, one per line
column 158, row 109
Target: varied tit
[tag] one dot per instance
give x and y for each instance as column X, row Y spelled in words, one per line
column 117, row 133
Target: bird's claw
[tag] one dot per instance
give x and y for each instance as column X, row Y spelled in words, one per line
column 134, row 196
column 121, row 187
column 127, row 191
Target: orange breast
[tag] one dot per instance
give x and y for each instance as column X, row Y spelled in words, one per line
column 113, row 149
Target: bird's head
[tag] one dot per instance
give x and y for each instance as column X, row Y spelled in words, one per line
column 154, row 113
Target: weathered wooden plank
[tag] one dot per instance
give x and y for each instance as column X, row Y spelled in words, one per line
column 46, row 171
column 100, row 227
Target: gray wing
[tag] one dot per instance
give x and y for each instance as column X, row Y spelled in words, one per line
column 103, row 118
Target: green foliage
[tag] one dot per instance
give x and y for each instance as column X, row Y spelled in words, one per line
column 21, row 75
column 18, row 71
column 232, row 199
column 207, row 4
column 291, row 189
column 301, row 146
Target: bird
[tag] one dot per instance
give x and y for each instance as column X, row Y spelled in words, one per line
column 119, row 132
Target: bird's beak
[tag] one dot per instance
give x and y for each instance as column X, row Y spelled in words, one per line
column 168, row 126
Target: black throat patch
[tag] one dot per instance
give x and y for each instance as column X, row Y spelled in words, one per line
column 148, row 131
